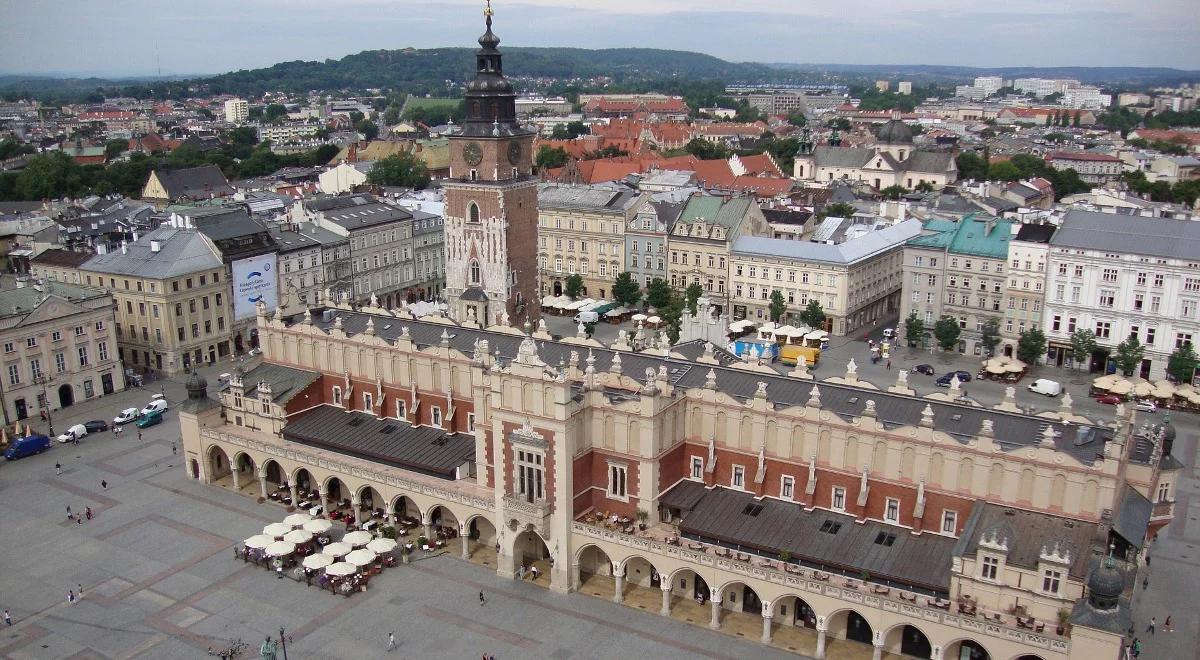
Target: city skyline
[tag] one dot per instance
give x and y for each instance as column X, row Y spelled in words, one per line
column 82, row 39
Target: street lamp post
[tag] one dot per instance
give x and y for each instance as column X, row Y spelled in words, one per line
column 43, row 381
column 283, row 642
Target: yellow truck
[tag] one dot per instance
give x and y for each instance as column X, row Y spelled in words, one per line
column 789, row 354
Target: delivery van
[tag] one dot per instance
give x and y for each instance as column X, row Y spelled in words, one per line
column 587, row 317
column 1046, row 386
column 789, row 355
column 27, row 446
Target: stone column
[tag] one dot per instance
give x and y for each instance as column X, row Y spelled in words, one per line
column 324, row 495
column 466, row 546
column 767, row 615
column 877, row 652
column 295, row 494
column 237, row 482
column 715, row 621
column 576, row 583
column 262, row 484
column 821, row 626
column 619, row 591
column 935, row 653
column 666, row 595
column 427, row 525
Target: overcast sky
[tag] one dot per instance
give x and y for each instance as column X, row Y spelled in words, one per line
column 111, row 37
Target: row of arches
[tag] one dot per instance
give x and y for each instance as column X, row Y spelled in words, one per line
column 736, row 598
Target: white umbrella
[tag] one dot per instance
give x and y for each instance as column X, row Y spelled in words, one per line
column 1121, row 387
column 337, row 549
column 316, row 561
column 1143, row 388
column 259, row 541
column 381, row 545
column 280, row 549
column 1104, row 382
column 298, row 536
column 341, row 568
column 318, row 526
column 357, row 538
column 653, row 320
column 297, row 519
column 638, row 317
column 277, row 529
column 360, row 557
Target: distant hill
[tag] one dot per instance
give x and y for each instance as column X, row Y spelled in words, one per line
column 1119, row 75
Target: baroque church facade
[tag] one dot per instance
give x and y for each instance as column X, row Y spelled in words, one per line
column 892, row 161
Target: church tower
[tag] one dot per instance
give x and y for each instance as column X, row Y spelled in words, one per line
column 491, row 202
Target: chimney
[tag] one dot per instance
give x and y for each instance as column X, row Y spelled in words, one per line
column 155, row 246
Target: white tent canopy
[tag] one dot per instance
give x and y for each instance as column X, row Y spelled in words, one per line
column 358, row 538
column 739, row 326
column 338, row 549
column 297, row 519
column 259, row 541
column 298, row 536
column 381, row 545
column 280, row 549
column 313, row 562
column 341, row 568
column 360, row 557
column 277, row 530
column 318, row 526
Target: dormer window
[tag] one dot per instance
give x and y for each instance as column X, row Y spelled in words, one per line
column 989, row 568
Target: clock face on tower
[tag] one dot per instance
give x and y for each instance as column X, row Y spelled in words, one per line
column 472, row 153
column 514, row 153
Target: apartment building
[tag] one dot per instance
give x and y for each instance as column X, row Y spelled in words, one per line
column 958, row 269
column 313, row 262
column 702, row 237
column 581, row 231
column 1025, row 296
column 646, row 240
column 1123, row 276
column 237, row 111
column 856, row 282
column 1092, row 167
column 58, row 347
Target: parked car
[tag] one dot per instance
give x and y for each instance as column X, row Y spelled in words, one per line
column 127, row 416
column 944, row 380
column 964, row 376
column 926, row 369
column 72, row 434
column 27, row 446
column 1110, row 399
column 96, row 426
column 158, row 405
column 149, row 419
column 1146, row 405
column 1046, row 386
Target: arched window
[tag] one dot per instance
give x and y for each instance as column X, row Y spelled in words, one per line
column 473, row 212
column 475, row 276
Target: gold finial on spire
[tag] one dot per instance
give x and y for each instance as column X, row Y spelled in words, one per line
column 488, row 11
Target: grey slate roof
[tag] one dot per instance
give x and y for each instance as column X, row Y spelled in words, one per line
column 182, row 251
column 200, row 181
column 933, row 162
column 285, row 382
column 309, row 236
column 1035, row 233
column 1026, row 532
column 367, row 214
column 1133, row 517
column 831, row 541
column 585, row 198
column 1152, row 237
column 845, row 253
column 848, row 157
column 22, row 301
column 423, row 449
column 962, row 422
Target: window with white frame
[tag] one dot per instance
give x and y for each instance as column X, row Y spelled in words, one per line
column 787, row 487
column 1164, row 491
column 697, row 467
column 891, row 510
column 1051, row 580
column 739, row 477
column 530, row 476
column 949, row 521
column 337, row 396
column 989, row 568
column 401, row 410
column 616, row 481
column 470, row 422
column 838, row 502
column 435, row 414
column 367, row 400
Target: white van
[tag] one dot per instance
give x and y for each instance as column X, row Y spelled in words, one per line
column 157, row 404
column 1046, row 386
column 587, row 317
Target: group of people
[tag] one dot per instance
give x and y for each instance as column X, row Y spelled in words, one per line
column 78, row 517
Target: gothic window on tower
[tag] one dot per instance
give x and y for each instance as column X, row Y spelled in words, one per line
column 473, row 208
column 530, row 476
column 475, row 277
column 474, row 175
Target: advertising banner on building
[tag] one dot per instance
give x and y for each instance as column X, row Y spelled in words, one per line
column 254, row 280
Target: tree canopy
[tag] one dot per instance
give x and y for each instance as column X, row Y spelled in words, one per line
column 946, row 331
column 626, row 290
column 400, row 169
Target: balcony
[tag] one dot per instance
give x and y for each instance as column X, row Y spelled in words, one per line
column 1163, row 510
column 519, row 513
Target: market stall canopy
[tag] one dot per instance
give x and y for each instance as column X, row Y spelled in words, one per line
column 341, row 568
column 1121, row 386
column 381, row 545
column 653, row 320
column 298, row 536
column 277, row 530
column 638, row 317
column 313, row 562
column 259, row 541
column 1105, row 382
column 358, row 538
column 817, row 334
column 1143, row 388
column 738, row 326
column 297, row 519
column 995, row 368
column 280, row 549
column 338, row 549
column 360, row 557
column 318, row 526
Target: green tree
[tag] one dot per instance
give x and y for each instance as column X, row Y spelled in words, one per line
column 705, row 150
column 692, row 294
column 990, row 336
column 274, row 112
column 185, row 155
column 1083, row 344
column 626, row 290
column 946, row 331
column 924, row 187
column 400, row 169
column 1003, row 171
column 658, row 293
column 1066, row 182
column 783, row 151
column 1075, row 120
column 391, row 116
column 10, row 148
column 1129, row 355
column 894, row 192
column 573, row 286
column 50, row 176
column 1183, row 362
column 1049, row 120
column 1031, row 346
column 550, row 158
column 778, row 306
column 672, row 315
column 838, row 210
column 114, row 148
column 971, row 166
column 1186, row 192
column 812, row 315
column 914, row 328
column 367, row 128
column 797, row 119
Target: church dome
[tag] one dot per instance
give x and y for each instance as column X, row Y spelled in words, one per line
column 895, row 131
column 1105, row 585
column 197, row 387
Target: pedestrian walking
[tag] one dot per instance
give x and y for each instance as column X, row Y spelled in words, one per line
column 7, row 618
column 69, row 516
column 1147, row 560
column 104, row 484
column 80, row 590
column 71, row 597
column 1135, row 647
column 482, row 601
column 889, row 365
column 1145, row 582
column 88, row 513
column 58, row 469
column 75, row 439
column 173, row 449
column 139, row 435
column 1167, row 627
column 1150, row 628
column 391, row 641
